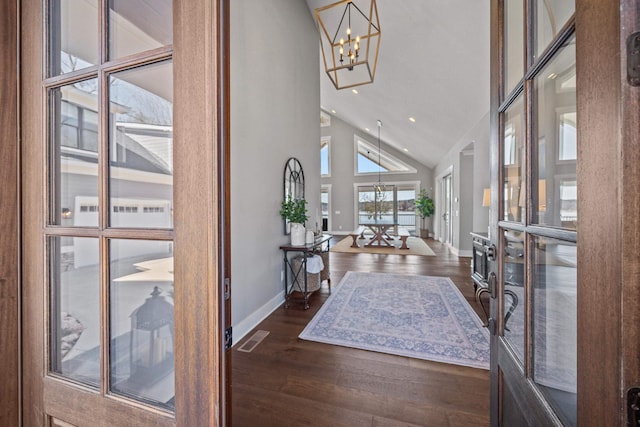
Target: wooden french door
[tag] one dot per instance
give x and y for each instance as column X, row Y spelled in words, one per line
column 563, row 317
column 123, row 211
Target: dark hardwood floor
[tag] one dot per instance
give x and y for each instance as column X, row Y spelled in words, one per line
column 286, row 381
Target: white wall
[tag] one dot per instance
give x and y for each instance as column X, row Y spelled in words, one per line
column 275, row 114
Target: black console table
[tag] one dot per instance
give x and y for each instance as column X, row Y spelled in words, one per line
column 299, row 275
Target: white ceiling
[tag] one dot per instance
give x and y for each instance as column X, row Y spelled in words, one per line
column 433, row 65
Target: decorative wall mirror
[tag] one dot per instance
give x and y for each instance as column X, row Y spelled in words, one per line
column 293, row 183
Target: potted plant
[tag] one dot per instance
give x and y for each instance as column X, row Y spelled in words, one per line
column 294, row 211
column 424, row 208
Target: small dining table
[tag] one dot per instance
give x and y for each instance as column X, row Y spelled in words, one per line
column 379, row 229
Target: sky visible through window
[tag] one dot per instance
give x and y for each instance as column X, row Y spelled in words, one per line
column 366, row 166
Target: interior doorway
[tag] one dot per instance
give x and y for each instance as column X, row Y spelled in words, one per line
column 444, row 206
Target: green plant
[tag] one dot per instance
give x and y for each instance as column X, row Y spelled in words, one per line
column 294, row 210
column 424, row 205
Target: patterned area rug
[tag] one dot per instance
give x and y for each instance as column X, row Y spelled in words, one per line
column 423, row 317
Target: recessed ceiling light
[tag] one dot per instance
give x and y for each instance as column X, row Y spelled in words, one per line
column 354, row 91
column 367, row 129
column 406, row 149
column 552, row 76
column 333, row 111
column 412, row 120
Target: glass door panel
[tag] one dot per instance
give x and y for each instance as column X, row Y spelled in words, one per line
column 513, row 161
column 141, row 147
column 141, row 320
column 407, row 208
column 555, row 198
column 73, row 35
column 537, row 156
column 74, row 301
column 515, row 297
column 551, row 16
column 73, row 160
column 139, row 25
column 555, row 324
column 513, row 44
column 122, row 327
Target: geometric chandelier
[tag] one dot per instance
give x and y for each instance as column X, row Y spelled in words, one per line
column 350, row 40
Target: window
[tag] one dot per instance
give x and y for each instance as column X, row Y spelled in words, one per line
column 567, row 149
column 395, row 202
column 370, row 160
column 325, row 156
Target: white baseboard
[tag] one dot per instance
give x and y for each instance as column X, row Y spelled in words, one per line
column 247, row 324
column 457, row 252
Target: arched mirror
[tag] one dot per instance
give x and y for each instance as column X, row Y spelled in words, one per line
column 293, row 182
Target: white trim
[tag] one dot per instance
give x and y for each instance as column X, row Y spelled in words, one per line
column 79, row 167
column 385, row 156
column 461, row 254
column 438, row 202
column 325, row 119
column 328, row 188
column 248, row 323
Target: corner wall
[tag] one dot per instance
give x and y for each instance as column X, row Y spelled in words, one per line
column 467, row 186
column 275, row 114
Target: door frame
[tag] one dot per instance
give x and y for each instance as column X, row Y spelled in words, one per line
column 608, row 231
column 438, row 227
column 201, row 99
column 10, row 404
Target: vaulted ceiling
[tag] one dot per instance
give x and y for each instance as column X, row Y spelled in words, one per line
column 433, row 66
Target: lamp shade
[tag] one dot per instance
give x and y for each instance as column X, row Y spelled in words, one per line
column 486, row 197
column 350, row 40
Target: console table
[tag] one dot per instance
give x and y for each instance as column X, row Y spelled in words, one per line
column 299, row 275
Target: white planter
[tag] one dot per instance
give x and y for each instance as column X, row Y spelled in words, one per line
column 297, row 234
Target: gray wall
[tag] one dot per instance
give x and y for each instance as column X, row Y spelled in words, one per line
column 342, row 171
column 470, row 177
column 275, row 114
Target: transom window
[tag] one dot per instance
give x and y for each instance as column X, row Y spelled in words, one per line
column 370, row 160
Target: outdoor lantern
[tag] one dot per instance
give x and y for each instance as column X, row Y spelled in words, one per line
column 151, row 341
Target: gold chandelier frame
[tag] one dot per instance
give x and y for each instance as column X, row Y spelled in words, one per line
column 362, row 68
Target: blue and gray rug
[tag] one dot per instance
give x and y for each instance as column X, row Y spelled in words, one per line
column 423, row 317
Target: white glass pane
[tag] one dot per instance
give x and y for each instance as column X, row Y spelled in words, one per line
column 139, row 25
column 407, row 209
column 75, row 308
column 551, row 16
column 557, row 144
column 513, row 162
column 555, row 324
column 514, row 294
column 513, row 43
column 141, row 318
column 324, row 160
column 73, row 35
column 141, row 148
column 74, row 154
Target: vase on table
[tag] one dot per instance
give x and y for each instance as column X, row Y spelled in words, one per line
column 297, row 234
